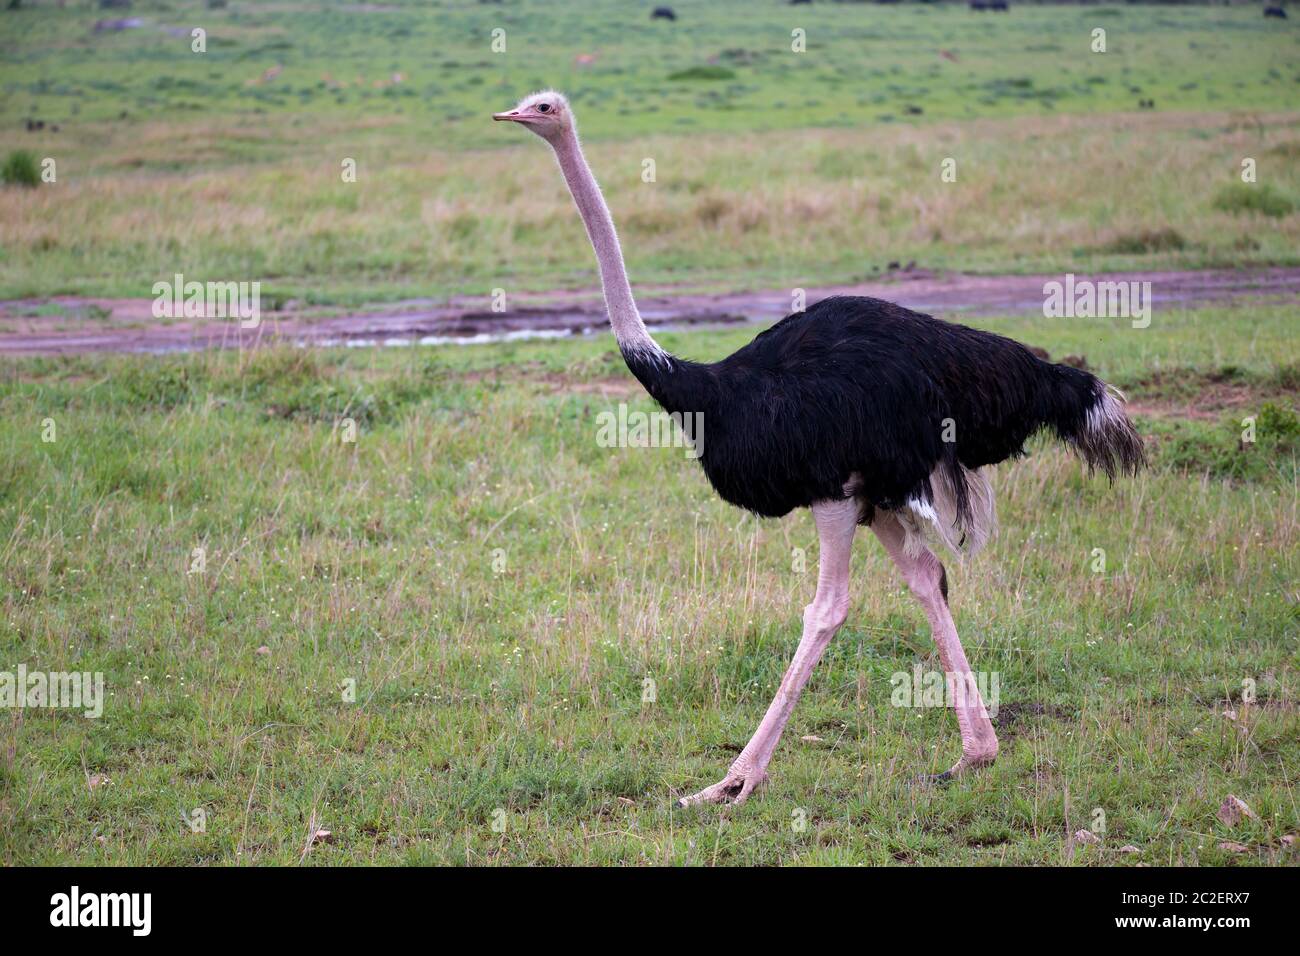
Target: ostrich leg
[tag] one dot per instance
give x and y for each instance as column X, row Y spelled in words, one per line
column 836, row 521
column 927, row 581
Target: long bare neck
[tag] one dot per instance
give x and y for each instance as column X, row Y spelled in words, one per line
column 624, row 318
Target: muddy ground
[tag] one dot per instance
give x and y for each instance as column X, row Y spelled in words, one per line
column 71, row 324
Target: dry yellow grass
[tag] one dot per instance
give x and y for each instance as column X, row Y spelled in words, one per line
column 781, row 208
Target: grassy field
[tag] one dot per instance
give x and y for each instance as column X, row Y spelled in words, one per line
column 773, row 168
column 434, row 640
column 499, row 588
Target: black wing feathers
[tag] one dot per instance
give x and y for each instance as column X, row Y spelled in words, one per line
column 859, row 385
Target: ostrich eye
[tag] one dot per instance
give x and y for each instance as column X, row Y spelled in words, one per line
column 543, row 107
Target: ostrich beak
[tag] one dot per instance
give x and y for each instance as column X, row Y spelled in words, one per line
column 513, row 117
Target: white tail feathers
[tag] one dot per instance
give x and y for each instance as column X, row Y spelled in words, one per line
column 941, row 519
column 963, row 519
column 1107, row 441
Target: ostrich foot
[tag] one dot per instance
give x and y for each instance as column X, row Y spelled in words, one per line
column 973, row 762
column 735, row 787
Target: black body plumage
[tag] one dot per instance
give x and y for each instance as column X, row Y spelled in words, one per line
column 860, row 386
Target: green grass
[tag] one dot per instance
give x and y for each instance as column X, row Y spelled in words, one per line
column 863, row 64
column 19, row 169
column 499, row 587
column 773, row 167
column 1243, row 198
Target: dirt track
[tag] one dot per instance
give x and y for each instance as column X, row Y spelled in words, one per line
column 127, row 325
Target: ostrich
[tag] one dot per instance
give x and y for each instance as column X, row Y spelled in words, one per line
column 868, row 414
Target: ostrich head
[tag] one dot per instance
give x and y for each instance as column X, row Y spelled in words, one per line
column 546, row 113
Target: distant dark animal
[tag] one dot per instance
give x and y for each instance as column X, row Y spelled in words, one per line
column 868, row 414
column 1000, row 6
column 1146, row 104
column 116, row 26
column 33, row 125
column 663, row 13
column 1278, row 12
column 980, row 5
